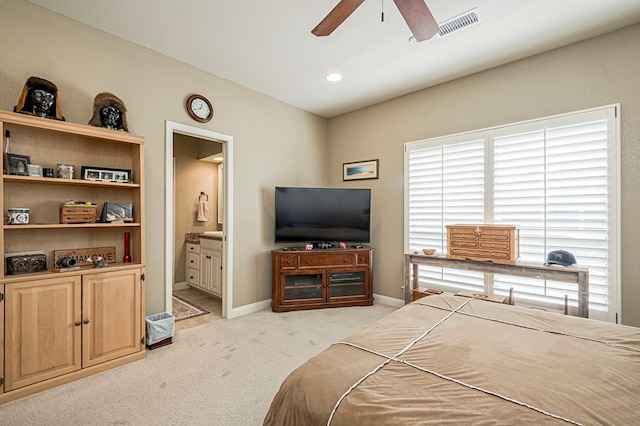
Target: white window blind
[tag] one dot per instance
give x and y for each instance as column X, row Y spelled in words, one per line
column 446, row 185
column 555, row 178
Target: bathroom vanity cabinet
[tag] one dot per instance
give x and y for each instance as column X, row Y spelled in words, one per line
column 204, row 266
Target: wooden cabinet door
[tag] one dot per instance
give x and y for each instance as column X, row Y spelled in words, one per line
column 215, row 283
column 111, row 315
column 43, row 333
column 351, row 285
column 306, row 287
column 205, row 269
column 210, row 271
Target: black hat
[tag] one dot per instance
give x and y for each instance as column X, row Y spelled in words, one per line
column 560, row 257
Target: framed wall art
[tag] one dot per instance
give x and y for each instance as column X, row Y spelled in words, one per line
column 18, row 164
column 360, row 170
column 106, row 175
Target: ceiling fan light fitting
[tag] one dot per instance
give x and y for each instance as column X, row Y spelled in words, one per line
column 415, row 13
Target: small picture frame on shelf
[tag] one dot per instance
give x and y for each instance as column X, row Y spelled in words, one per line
column 35, row 170
column 18, row 164
column 106, row 175
column 116, row 213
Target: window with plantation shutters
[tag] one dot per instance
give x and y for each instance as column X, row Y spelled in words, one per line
column 555, row 178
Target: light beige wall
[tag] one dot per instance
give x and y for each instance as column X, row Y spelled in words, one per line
column 274, row 143
column 191, row 178
column 600, row 71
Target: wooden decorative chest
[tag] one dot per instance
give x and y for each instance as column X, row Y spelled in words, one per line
column 494, row 243
column 77, row 214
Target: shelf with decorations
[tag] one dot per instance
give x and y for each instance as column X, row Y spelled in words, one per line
column 71, row 225
column 91, row 166
column 72, row 182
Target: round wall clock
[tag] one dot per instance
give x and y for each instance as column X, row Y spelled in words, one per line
column 199, row 108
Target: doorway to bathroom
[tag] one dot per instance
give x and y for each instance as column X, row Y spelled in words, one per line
column 198, row 168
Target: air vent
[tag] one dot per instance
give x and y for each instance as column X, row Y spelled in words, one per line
column 459, row 22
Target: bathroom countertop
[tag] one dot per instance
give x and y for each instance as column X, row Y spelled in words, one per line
column 194, row 237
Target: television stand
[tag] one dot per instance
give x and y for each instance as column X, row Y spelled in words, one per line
column 313, row 279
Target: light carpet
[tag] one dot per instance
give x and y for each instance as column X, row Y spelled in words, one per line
column 183, row 309
column 220, row 373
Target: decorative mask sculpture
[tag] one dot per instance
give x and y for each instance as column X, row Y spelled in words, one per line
column 109, row 112
column 39, row 97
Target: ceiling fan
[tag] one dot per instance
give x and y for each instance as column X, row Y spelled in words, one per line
column 415, row 13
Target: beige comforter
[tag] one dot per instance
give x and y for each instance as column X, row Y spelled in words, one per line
column 449, row 359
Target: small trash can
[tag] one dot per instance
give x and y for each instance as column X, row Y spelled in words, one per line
column 160, row 329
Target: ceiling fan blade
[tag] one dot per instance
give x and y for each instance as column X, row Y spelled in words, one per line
column 336, row 17
column 418, row 18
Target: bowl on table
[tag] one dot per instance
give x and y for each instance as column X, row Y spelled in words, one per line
column 429, row 252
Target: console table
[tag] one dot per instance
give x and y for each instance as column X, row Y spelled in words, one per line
column 578, row 275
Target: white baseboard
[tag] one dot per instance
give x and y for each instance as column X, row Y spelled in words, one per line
column 264, row 304
column 249, row 309
column 180, row 286
column 389, row 301
column 235, row 312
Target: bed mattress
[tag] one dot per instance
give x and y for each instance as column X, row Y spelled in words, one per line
column 449, row 359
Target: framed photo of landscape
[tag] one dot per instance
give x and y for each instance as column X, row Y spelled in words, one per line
column 360, row 170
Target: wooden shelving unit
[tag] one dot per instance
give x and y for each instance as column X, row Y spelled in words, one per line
column 98, row 320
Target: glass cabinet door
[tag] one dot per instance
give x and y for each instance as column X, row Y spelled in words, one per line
column 346, row 284
column 300, row 287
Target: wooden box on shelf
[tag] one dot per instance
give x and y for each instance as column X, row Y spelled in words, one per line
column 77, row 214
column 494, row 243
column 94, row 318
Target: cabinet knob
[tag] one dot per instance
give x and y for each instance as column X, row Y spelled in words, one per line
column 192, row 277
column 85, row 321
column 191, row 261
column 288, row 262
column 77, row 323
column 345, row 260
column 307, row 262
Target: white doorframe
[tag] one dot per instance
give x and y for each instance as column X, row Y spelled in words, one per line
column 227, row 227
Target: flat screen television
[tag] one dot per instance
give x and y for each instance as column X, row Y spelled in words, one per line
column 313, row 215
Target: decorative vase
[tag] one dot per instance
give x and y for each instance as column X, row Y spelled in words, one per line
column 127, row 247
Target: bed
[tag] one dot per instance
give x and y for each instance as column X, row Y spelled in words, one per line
column 450, row 359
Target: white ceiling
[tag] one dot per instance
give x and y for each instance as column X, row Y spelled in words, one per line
column 267, row 46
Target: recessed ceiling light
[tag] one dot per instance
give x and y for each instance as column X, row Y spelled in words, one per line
column 333, row 76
